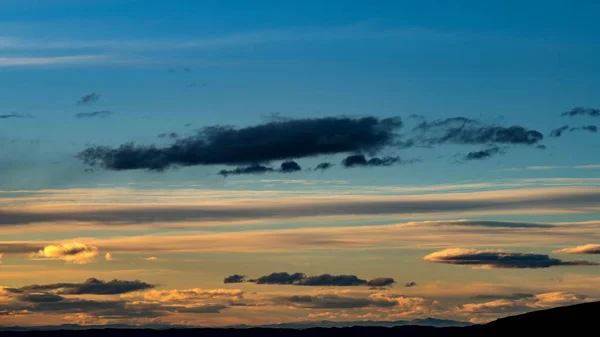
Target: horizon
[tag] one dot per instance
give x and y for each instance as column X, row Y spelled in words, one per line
column 234, row 163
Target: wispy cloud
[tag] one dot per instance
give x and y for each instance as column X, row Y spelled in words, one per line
column 52, row 60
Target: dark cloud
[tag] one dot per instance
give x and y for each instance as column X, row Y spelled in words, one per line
column 88, row 99
column 494, row 224
column 279, row 278
column 252, row 169
column 588, row 128
column 170, row 135
column 514, row 296
column 300, row 279
column 40, row 298
column 334, row 302
column 274, row 140
column 92, row 286
column 16, row 115
column 410, row 284
column 499, row 259
column 360, row 160
column 99, row 114
column 323, row 166
column 559, row 131
column 331, row 280
column 466, row 131
column 381, row 282
column 581, row 111
column 235, row 278
column 483, row 154
column 289, row 167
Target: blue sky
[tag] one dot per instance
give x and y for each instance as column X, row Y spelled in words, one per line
column 179, row 66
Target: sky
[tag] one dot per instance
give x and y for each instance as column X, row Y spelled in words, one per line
column 230, row 162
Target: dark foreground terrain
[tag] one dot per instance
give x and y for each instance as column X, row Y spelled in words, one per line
column 553, row 322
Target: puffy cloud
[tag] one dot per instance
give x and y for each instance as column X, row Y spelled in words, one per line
column 410, row 284
column 499, row 259
column 235, row 278
column 331, row 280
column 585, row 249
column 323, row 166
column 88, row 99
column 301, row 279
column 279, row 278
column 74, row 252
column 274, row 140
column 92, row 286
column 581, row 111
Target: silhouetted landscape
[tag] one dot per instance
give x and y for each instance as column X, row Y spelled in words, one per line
column 568, row 319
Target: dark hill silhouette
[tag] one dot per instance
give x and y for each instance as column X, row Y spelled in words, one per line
column 552, row 322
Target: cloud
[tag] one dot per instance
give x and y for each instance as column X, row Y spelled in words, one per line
column 15, row 115
column 323, row 166
column 331, row 280
column 513, row 296
column 559, row 131
column 108, row 257
column 410, row 284
column 279, row 278
column 74, row 252
column 89, row 99
column 170, row 135
column 483, row 154
column 151, row 258
column 381, row 282
column 289, row 167
column 92, row 286
column 1, row 256
column 252, row 169
column 545, row 199
column 499, row 259
column 99, row 114
column 581, row 111
column 462, row 130
column 235, row 278
column 262, row 143
column 52, row 60
column 585, row 249
column 186, row 295
column 301, row 279
column 328, row 301
column 360, row 160
column 525, row 303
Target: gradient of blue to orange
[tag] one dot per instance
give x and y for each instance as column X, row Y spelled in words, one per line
column 178, row 66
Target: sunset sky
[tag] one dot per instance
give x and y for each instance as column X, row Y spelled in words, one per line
column 256, row 162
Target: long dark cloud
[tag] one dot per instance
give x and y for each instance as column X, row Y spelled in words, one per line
column 499, row 259
column 88, row 99
column 581, row 111
column 301, row 279
column 483, row 154
column 334, row 302
column 462, row 130
column 92, row 286
column 98, row 114
column 288, row 166
column 359, row 160
column 513, row 296
column 235, row 278
column 551, row 199
column 274, row 140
